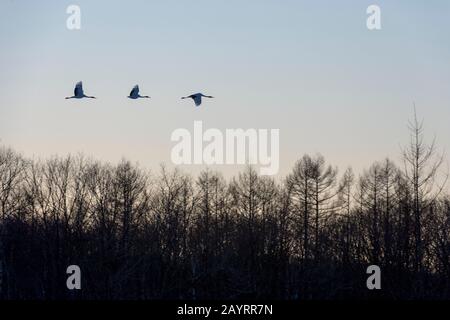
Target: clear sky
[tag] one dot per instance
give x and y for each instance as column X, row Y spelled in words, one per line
column 310, row 68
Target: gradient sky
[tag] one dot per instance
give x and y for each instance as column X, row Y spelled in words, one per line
column 310, row 68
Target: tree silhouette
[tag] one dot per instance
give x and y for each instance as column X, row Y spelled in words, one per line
column 137, row 235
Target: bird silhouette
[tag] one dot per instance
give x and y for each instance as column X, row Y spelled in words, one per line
column 197, row 97
column 79, row 93
column 134, row 94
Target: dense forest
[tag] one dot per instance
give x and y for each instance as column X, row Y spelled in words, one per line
column 167, row 235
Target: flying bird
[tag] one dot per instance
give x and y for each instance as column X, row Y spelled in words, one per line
column 197, row 97
column 134, row 94
column 79, row 93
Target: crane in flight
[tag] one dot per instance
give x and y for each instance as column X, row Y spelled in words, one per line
column 197, row 97
column 79, row 93
column 134, row 94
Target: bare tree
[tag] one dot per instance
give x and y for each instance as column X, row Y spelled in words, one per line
column 345, row 201
column 11, row 174
column 421, row 165
column 324, row 191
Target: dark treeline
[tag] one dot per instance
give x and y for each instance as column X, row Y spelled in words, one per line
column 137, row 235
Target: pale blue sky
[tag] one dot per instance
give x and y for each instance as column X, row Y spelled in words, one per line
column 309, row 68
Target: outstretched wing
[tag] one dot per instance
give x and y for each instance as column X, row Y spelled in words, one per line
column 78, row 89
column 197, row 99
column 134, row 91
